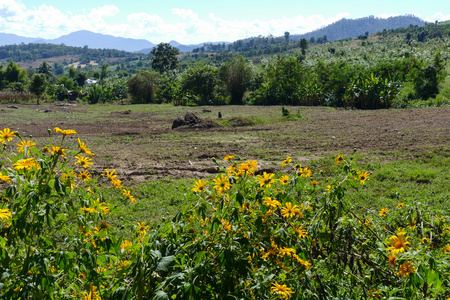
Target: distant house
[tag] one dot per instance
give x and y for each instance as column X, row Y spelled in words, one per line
column 91, row 81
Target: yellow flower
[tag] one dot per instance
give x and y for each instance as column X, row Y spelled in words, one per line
column 304, row 172
column 200, row 186
column 129, row 196
column 271, row 203
column 339, row 159
column 117, row 183
column 306, row 264
column 287, row 251
column 286, row 161
column 84, row 148
column 26, row 164
column 363, row 176
column 392, row 261
column 5, row 214
column 400, row 205
column 281, row 290
column 58, row 151
column 405, row 269
column 300, row 231
column 266, row 179
column 21, row 146
column 284, row 179
column 85, row 162
column 5, row 178
column 231, row 170
column 103, row 206
column 383, row 212
column 228, row 157
column 84, row 175
column 65, row 132
column 222, row 184
column 89, row 209
column 111, row 174
column 226, row 225
column 398, row 243
column 314, row 183
column 6, row 135
column 126, row 244
column 446, row 248
column 290, row 211
column 92, row 295
column 142, row 228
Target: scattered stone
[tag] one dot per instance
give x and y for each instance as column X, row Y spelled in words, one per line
column 127, row 112
column 13, row 107
column 190, row 120
column 206, row 110
column 219, row 115
column 47, row 111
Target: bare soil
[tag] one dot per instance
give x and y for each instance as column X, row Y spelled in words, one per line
column 142, row 146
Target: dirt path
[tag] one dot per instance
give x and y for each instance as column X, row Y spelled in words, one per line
column 141, row 145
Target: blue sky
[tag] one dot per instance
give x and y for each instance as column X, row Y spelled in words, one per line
column 196, row 21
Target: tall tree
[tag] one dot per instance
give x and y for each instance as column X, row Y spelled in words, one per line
column 164, row 58
column 104, row 72
column 237, row 75
column 45, row 69
column 38, row 85
column 286, row 36
column 14, row 73
column 303, row 44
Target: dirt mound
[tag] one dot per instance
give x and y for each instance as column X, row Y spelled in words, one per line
column 190, row 120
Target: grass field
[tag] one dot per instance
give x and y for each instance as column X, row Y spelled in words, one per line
column 407, row 151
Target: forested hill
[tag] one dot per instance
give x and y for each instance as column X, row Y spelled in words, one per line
column 31, row 52
column 346, row 28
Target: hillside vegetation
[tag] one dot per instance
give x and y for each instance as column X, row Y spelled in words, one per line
column 393, row 68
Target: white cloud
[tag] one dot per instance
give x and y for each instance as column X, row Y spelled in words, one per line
column 439, row 17
column 188, row 28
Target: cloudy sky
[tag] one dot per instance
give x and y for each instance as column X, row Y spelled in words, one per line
column 195, row 21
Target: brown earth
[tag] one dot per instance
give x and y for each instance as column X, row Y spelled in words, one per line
column 141, row 146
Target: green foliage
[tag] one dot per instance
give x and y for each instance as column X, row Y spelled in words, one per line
column 164, row 58
column 38, row 85
column 143, row 86
column 200, row 83
column 14, row 74
column 237, row 75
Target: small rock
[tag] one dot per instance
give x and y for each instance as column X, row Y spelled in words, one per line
column 13, row 107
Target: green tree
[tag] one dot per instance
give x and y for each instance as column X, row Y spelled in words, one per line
column 45, row 69
column 303, row 44
column 80, row 79
column 14, row 73
column 164, row 58
column 72, row 72
column 200, row 82
column 286, row 37
column 38, row 85
column 143, row 86
column 66, row 82
column 104, row 72
column 237, row 76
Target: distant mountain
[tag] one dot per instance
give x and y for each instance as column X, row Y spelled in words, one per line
column 346, row 28
column 10, row 39
column 100, row 41
column 96, row 41
column 183, row 48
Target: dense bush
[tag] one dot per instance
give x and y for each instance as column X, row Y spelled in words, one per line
column 251, row 235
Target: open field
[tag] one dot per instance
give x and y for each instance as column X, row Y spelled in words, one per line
column 138, row 140
column 392, row 182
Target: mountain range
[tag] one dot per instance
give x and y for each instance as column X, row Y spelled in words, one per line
column 96, row 41
column 341, row 29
